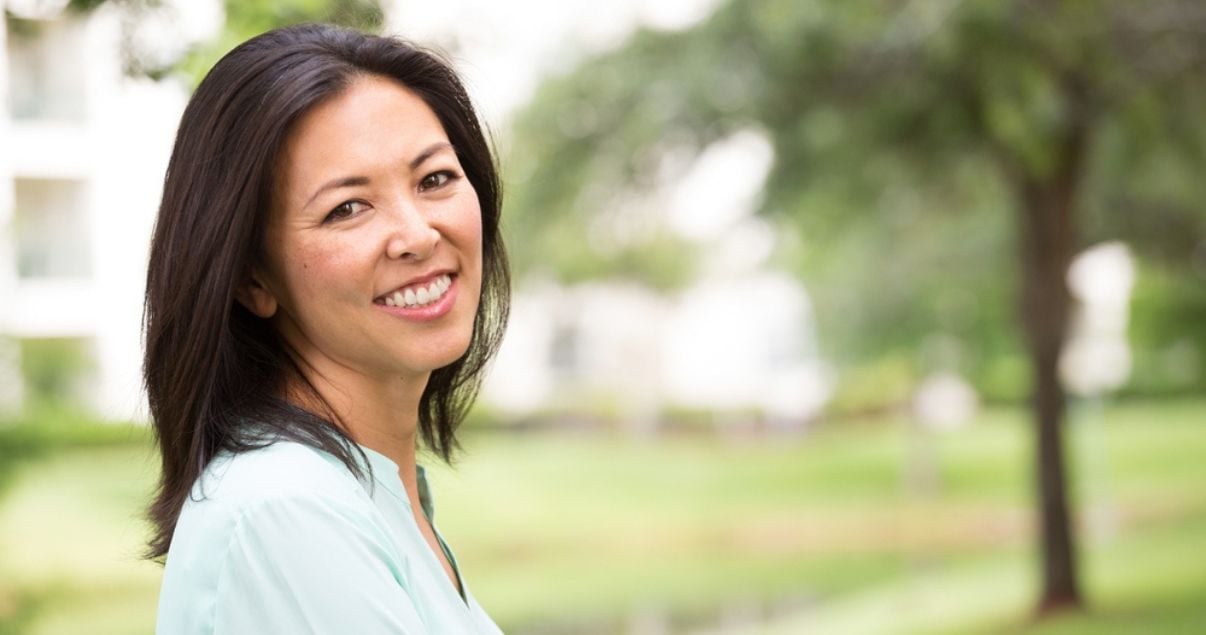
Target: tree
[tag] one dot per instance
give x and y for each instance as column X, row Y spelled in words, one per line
column 1059, row 115
column 243, row 20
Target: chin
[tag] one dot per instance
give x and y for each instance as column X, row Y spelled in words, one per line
column 446, row 357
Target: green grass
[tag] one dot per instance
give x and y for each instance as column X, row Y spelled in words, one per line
column 70, row 538
column 778, row 535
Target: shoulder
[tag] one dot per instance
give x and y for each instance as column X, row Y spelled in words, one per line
column 285, row 541
column 277, row 492
column 253, row 492
column 284, row 512
column 281, row 470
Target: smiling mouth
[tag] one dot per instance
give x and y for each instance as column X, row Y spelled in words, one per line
column 417, row 295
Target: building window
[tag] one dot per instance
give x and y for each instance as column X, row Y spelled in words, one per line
column 46, row 69
column 51, row 226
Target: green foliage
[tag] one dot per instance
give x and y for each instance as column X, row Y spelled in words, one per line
column 248, row 18
column 1168, row 328
column 44, row 428
column 244, row 19
column 902, row 141
column 54, row 368
column 1145, row 185
column 586, row 154
column 16, row 444
column 84, row 6
column 869, row 388
column 1004, row 378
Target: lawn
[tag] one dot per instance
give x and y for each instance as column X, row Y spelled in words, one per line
column 855, row 527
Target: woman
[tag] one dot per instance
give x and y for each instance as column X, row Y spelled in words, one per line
column 326, row 283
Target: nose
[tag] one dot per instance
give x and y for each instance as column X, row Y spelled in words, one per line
column 412, row 236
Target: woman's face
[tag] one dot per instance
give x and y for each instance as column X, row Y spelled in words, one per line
column 373, row 245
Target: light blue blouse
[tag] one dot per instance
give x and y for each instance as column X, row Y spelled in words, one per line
column 285, row 539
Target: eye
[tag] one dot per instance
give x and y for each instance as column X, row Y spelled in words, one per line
column 346, row 209
column 437, row 180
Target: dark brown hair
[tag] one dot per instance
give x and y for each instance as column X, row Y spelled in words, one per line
column 215, row 373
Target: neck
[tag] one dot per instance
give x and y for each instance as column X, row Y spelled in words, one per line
column 380, row 413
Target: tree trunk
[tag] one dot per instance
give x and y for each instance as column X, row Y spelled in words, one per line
column 1048, row 241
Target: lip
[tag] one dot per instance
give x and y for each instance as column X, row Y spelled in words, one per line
column 427, row 312
column 423, row 279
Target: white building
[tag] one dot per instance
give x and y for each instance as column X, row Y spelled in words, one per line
column 731, row 345
column 82, row 155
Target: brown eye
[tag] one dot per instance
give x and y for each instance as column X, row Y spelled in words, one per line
column 344, row 210
column 436, row 180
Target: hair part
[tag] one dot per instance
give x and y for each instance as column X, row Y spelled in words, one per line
column 215, row 373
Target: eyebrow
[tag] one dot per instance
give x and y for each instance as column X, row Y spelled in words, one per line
column 428, row 153
column 352, row 181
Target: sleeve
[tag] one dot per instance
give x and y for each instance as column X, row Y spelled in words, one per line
column 309, row 564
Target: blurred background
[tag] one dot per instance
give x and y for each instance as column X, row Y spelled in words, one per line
column 829, row 317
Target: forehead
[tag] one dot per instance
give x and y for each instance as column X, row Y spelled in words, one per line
column 373, row 123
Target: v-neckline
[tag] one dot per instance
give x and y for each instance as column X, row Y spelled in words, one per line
column 395, row 486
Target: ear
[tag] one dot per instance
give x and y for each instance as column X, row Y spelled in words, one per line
column 255, row 296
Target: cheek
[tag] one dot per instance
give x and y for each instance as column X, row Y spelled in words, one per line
column 471, row 228
column 476, row 236
column 320, row 273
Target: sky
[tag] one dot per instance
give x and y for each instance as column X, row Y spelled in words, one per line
column 503, row 49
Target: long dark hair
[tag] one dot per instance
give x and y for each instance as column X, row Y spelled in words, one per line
column 215, row 373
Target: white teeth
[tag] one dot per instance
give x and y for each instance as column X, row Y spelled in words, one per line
column 420, row 296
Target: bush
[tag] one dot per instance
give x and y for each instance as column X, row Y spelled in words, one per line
column 43, row 429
